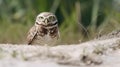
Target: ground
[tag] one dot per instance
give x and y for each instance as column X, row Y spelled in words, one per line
column 101, row 52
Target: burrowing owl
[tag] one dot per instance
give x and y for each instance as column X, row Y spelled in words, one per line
column 45, row 30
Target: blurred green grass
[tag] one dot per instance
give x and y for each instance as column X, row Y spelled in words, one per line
column 79, row 20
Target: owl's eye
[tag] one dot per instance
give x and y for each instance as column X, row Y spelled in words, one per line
column 52, row 18
column 41, row 18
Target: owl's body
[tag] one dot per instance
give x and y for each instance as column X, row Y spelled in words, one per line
column 45, row 30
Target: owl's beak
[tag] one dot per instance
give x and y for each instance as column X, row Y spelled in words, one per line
column 46, row 21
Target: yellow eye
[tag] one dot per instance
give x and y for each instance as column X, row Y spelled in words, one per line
column 52, row 18
column 40, row 17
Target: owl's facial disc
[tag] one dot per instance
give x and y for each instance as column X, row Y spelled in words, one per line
column 46, row 19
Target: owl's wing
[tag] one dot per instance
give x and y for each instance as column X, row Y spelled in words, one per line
column 58, row 34
column 31, row 35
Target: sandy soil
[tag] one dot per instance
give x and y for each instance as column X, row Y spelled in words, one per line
column 96, row 53
column 101, row 52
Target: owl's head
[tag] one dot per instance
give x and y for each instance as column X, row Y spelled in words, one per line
column 46, row 18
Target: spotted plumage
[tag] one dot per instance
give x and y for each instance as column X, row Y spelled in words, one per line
column 45, row 30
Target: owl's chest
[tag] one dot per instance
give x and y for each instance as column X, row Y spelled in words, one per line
column 46, row 39
column 47, row 33
column 46, row 36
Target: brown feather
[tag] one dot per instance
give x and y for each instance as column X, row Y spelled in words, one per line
column 31, row 35
column 45, row 31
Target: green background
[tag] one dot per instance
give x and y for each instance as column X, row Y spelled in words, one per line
column 79, row 20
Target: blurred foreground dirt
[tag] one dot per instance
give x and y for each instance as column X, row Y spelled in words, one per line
column 95, row 53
